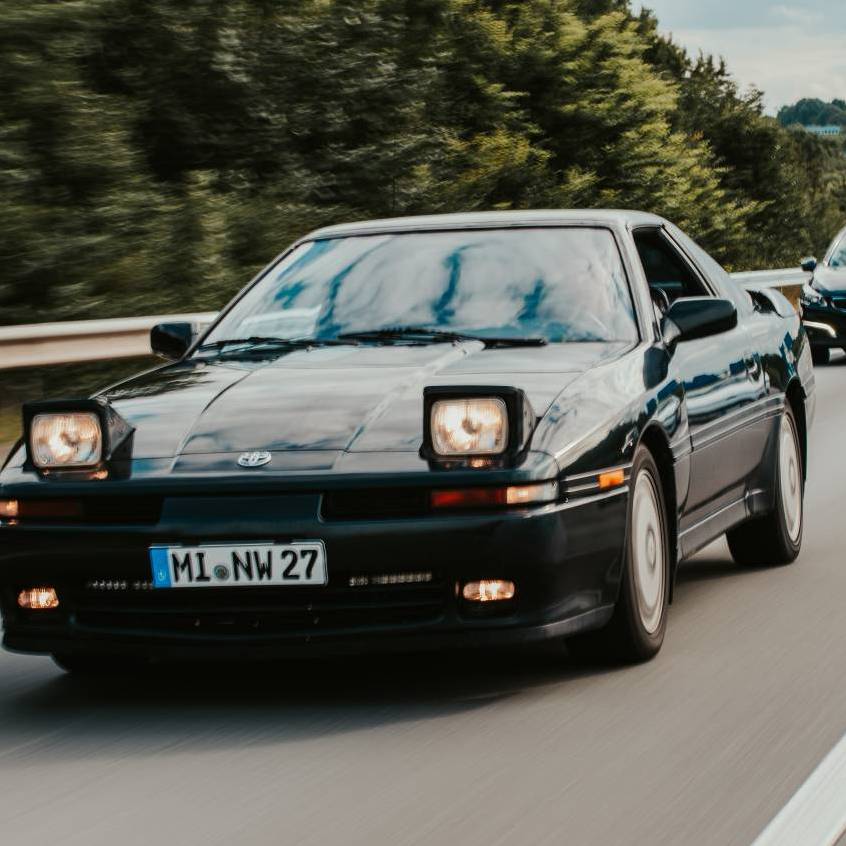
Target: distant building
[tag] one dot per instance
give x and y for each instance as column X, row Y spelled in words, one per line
column 828, row 131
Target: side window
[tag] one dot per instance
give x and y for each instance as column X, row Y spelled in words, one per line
column 715, row 273
column 668, row 274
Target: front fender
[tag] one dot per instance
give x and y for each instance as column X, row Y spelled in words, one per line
column 597, row 421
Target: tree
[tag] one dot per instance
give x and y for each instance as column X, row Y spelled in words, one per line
column 782, row 176
column 813, row 112
column 155, row 153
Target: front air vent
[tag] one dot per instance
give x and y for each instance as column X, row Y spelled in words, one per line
column 375, row 504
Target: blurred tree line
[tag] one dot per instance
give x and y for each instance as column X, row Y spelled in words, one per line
column 155, row 153
column 811, row 111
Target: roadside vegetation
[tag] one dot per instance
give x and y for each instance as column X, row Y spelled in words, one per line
column 811, row 111
column 65, row 380
column 155, row 153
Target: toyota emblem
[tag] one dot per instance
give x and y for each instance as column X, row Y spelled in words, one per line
column 254, row 459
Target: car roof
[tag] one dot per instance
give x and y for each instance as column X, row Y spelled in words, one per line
column 617, row 218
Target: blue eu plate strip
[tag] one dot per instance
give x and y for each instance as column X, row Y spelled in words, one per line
column 161, row 567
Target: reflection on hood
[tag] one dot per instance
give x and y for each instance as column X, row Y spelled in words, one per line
column 348, row 398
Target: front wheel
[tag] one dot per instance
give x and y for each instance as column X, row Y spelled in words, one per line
column 776, row 538
column 636, row 631
column 820, row 355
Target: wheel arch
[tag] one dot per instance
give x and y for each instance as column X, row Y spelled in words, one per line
column 654, row 438
column 795, row 397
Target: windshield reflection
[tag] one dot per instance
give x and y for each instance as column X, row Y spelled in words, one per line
column 838, row 259
column 561, row 284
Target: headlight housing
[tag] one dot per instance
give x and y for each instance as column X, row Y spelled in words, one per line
column 66, row 440
column 472, row 426
column 475, row 426
column 74, row 435
column 811, row 296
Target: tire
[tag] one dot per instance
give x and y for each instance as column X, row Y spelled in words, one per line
column 776, row 538
column 820, row 355
column 635, row 633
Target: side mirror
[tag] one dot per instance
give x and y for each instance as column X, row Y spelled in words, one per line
column 172, row 340
column 690, row 318
column 809, row 264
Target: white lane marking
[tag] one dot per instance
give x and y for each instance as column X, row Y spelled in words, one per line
column 816, row 813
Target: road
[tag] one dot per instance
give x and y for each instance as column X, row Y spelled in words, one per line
column 703, row 745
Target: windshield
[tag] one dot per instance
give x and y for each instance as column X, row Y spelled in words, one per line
column 838, row 257
column 559, row 284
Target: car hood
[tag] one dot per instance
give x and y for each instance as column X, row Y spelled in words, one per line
column 829, row 281
column 350, row 398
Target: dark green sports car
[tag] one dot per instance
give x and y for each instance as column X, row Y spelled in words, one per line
column 436, row 432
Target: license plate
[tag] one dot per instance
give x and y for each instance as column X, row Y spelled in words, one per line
column 299, row 563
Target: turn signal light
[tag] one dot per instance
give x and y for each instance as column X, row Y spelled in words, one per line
column 528, row 494
column 489, row 590
column 468, row 498
column 8, row 509
column 40, row 509
column 38, row 599
column 487, row 497
column 611, row 479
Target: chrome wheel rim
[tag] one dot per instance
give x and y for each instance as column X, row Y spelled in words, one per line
column 648, row 551
column 790, row 478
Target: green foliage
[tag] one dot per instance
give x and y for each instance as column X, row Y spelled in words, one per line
column 155, row 153
column 813, row 112
column 64, row 380
column 789, row 178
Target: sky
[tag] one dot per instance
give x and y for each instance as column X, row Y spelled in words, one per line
column 789, row 49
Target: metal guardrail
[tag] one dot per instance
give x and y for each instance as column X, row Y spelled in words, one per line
column 40, row 344
column 773, row 278
column 788, row 280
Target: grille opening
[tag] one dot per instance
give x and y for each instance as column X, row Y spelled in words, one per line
column 375, row 503
column 282, row 621
column 135, row 509
column 245, row 611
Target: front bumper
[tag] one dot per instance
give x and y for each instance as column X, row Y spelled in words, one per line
column 565, row 560
column 826, row 326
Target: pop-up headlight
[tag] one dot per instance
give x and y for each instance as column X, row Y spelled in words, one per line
column 72, row 434
column 71, row 439
column 469, row 426
column 468, row 422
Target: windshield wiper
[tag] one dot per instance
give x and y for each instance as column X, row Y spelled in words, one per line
column 421, row 333
column 257, row 343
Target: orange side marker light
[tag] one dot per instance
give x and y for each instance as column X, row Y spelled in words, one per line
column 611, row 479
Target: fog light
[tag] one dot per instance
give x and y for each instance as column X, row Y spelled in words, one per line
column 488, row 590
column 38, row 599
column 8, row 509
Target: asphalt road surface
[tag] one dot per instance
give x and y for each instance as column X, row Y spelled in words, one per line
column 703, row 745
